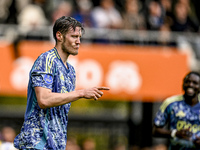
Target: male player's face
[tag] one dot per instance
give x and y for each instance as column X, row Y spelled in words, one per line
column 71, row 41
column 191, row 85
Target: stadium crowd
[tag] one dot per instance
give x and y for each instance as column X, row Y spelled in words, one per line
column 156, row 15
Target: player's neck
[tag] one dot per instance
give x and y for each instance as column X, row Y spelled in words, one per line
column 191, row 100
column 63, row 55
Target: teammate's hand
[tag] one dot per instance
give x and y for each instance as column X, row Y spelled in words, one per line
column 184, row 134
column 197, row 142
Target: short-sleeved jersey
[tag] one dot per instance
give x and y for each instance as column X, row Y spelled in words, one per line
column 179, row 115
column 46, row 129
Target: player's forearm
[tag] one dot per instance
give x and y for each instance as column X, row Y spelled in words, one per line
column 161, row 132
column 48, row 99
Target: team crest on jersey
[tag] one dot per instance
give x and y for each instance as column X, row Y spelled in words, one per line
column 180, row 114
column 48, row 79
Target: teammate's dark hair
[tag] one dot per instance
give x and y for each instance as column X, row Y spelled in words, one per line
column 192, row 72
column 63, row 24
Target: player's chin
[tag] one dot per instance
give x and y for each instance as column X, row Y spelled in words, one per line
column 74, row 53
column 190, row 94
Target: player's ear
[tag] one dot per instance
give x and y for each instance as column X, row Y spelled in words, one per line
column 59, row 36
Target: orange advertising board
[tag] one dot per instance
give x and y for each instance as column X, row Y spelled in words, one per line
column 132, row 72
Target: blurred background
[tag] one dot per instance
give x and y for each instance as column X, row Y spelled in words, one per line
column 141, row 49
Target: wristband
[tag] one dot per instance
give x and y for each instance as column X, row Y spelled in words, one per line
column 173, row 133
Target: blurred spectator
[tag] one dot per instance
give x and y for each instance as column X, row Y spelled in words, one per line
column 190, row 7
column 9, row 10
column 89, row 144
column 164, row 37
column 12, row 13
column 4, row 6
column 155, row 17
column 120, row 147
column 64, row 8
column 31, row 17
column 134, row 147
column 132, row 19
column 72, row 144
column 196, row 4
column 106, row 15
column 164, row 34
column 159, row 147
column 47, row 7
column 83, row 13
column 181, row 20
column 166, row 6
column 8, row 135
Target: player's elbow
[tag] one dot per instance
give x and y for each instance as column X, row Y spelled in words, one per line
column 154, row 131
column 42, row 95
column 42, row 103
column 42, row 106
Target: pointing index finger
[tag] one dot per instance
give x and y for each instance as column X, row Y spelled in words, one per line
column 103, row 88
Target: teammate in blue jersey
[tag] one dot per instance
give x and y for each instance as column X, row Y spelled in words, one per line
column 51, row 90
column 182, row 114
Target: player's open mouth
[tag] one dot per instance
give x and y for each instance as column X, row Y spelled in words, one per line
column 190, row 90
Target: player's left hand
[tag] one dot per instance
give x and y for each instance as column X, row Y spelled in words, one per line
column 184, row 134
column 197, row 142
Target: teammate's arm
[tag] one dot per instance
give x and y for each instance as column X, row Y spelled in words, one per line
column 162, row 132
column 197, row 142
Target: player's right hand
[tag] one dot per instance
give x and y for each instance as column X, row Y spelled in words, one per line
column 94, row 93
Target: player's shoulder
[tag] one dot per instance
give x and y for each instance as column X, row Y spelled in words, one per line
column 50, row 52
column 170, row 100
column 47, row 56
column 45, row 59
column 174, row 98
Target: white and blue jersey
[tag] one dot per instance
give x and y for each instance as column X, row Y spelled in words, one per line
column 179, row 115
column 46, row 129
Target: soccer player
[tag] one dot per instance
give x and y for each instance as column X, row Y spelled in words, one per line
column 182, row 114
column 51, row 90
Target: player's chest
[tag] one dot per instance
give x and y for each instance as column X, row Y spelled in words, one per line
column 186, row 113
